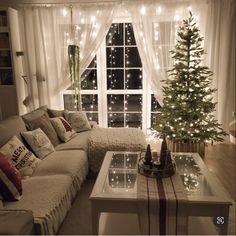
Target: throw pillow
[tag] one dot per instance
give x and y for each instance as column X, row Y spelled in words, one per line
column 55, row 113
column 78, row 121
column 24, row 160
column 39, row 142
column 63, row 128
column 45, row 125
column 35, row 114
column 10, row 180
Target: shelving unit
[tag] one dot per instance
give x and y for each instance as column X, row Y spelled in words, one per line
column 8, row 95
column 6, row 71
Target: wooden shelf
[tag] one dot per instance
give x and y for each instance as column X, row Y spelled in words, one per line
column 6, row 70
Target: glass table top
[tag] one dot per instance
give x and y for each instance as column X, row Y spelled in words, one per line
column 122, row 173
column 194, row 181
column 118, row 178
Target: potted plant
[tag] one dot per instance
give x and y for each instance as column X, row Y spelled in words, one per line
column 73, row 53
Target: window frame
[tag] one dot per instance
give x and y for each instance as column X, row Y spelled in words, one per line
column 102, row 90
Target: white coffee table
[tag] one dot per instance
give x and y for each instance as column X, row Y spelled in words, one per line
column 115, row 189
column 205, row 193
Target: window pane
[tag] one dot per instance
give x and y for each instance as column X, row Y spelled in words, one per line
column 69, row 102
column 155, row 106
column 132, row 58
column 133, row 120
column 153, row 120
column 115, row 102
column 115, row 79
column 89, row 79
column 115, row 57
column 129, row 35
column 116, row 120
column 92, row 116
column 115, row 35
column 133, row 102
column 93, row 63
column 89, row 102
column 133, row 79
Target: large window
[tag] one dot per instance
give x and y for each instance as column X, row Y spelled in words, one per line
column 124, row 78
column 89, row 95
column 114, row 90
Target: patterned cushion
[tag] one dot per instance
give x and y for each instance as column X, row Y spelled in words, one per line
column 10, row 180
column 24, row 160
column 78, row 121
column 35, row 114
column 45, row 125
column 63, row 128
column 39, row 142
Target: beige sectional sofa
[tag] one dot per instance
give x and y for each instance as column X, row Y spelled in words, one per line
column 50, row 191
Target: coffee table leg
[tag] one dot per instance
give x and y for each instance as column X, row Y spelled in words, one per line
column 95, row 219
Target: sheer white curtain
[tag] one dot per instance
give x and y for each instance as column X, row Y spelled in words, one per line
column 220, row 44
column 42, row 54
column 155, row 26
column 47, row 33
column 90, row 24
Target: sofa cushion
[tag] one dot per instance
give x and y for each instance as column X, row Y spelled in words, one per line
column 49, row 198
column 63, row 128
column 44, row 123
column 39, row 142
column 10, row 127
column 55, row 113
column 23, row 222
column 34, row 115
column 78, row 121
column 73, row 163
column 78, row 141
column 10, row 180
column 24, row 160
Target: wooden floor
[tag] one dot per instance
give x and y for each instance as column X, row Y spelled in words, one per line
column 221, row 160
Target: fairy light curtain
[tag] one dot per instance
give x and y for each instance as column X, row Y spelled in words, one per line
column 155, row 25
column 47, row 34
column 91, row 23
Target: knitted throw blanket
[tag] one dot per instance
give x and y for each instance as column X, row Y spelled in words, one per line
column 115, row 139
column 162, row 205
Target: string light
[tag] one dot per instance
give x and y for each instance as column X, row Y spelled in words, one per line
column 65, row 11
column 143, row 10
column 158, row 10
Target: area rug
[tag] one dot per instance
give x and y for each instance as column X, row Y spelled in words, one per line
column 78, row 220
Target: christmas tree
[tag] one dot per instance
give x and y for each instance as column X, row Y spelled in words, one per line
column 186, row 114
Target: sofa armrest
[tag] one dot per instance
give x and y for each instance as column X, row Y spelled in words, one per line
column 16, row 222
